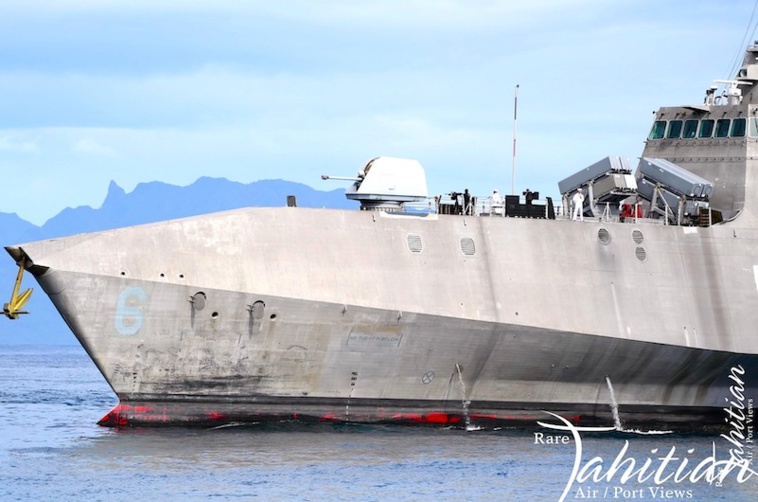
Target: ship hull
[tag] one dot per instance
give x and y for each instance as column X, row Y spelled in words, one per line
column 245, row 357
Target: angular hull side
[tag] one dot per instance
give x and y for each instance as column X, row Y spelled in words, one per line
column 228, row 360
column 690, row 286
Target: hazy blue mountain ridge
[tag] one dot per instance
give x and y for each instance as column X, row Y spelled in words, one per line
column 156, row 201
column 147, row 203
column 15, row 229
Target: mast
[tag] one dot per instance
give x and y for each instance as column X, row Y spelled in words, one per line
column 513, row 159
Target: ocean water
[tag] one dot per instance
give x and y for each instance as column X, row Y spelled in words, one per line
column 52, row 449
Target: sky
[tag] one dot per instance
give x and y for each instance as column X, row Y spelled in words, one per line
column 94, row 91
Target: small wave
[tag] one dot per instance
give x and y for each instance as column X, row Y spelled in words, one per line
column 52, row 396
column 231, row 424
column 645, row 433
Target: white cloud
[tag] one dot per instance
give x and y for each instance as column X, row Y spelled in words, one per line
column 10, row 144
column 89, row 146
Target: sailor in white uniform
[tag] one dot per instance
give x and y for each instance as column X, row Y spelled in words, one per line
column 496, row 204
column 578, row 201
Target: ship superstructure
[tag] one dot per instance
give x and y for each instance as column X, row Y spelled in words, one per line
column 487, row 310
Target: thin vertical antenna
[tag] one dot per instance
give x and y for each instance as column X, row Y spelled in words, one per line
column 513, row 162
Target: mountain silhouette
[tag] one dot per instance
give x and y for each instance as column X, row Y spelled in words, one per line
column 147, row 203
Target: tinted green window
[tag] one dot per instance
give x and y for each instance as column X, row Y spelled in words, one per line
column 722, row 128
column 675, row 129
column 706, row 128
column 690, row 129
column 754, row 127
column 658, row 128
column 738, row 128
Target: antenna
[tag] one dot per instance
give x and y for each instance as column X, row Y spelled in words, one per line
column 513, row 161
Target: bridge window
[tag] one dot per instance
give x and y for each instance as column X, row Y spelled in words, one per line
column 690, row 129
column 754, row 127
column 675, row 129
column 722, row 128
column 706, row 128
column 658, row 129
column 738, row 128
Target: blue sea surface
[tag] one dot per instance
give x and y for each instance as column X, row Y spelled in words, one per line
column 51, row 449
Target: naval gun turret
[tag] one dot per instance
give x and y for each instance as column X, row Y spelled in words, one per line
column 386, row 183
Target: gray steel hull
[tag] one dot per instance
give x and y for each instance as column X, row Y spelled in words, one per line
column 172, row 361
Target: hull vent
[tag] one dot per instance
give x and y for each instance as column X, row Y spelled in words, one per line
column 604, row 236
column 415, row 244
column 468, row 247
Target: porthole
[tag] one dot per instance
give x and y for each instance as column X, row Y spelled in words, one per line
column 637, row 236
column 640, row 253
column 603, row 236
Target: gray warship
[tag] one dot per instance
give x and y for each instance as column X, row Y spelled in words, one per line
column 419, row 310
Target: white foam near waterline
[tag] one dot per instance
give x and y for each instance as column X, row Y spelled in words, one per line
column 617, row 419
column 614, row 406
column 464, row 401
column 645, row 433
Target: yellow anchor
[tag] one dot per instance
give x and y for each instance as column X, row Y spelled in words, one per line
column 12, row 309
